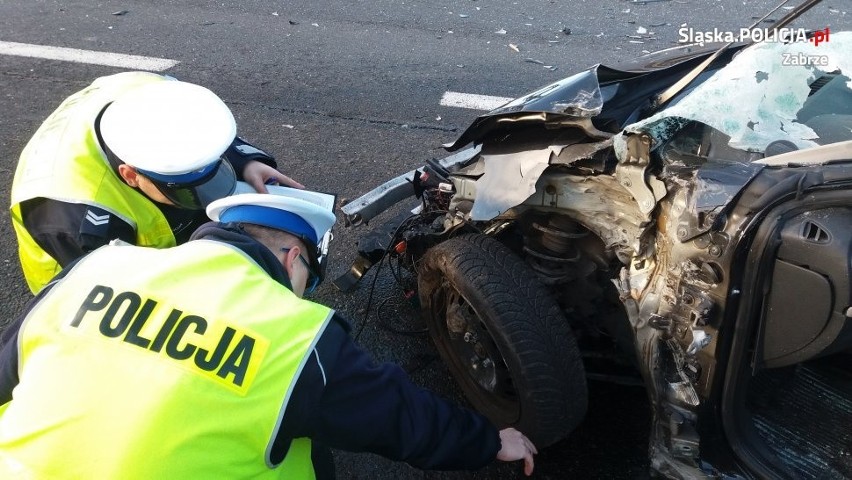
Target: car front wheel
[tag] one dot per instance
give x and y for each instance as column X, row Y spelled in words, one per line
column 503, row 337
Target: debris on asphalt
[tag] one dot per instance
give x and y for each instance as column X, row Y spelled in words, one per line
column 315, row 24
column 600, row 35
column 502, row 31
column 274, row 14
column 463, row 15
column 287, row 125
column 120, row 12
column 658, row 24
column 539, row 62
column 566, row 31
column 643, row 34
column 514, row 47
column 438, row 118
column 292, row 22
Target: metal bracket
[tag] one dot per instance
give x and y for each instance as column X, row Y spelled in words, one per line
column 685, row 442
column 632, row 174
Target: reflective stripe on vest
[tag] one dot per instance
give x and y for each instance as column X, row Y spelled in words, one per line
column 64, row 161
column 147, row 363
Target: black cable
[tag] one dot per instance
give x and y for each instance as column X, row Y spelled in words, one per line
column 399, row 331
column 370, row 297
column 376, row 276
column 396, row 274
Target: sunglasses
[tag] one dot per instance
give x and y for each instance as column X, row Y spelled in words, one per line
column 313, row 278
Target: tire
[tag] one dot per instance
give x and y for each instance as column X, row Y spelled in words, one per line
column 503, row 337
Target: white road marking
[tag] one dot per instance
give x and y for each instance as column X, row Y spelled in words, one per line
column 473, row 101
column 133, row 62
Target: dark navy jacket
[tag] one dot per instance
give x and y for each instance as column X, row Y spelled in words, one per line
column 342, row 399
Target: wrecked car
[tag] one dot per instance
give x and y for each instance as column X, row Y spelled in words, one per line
column 621, row 221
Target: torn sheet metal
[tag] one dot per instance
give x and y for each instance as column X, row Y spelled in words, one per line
column 712, row 189
column 758, row 98
column 509, row 179
column 578, row 95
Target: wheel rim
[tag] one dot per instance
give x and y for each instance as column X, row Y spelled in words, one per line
column 474, row 352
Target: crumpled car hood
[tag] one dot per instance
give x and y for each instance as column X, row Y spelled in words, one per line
column 756, row 99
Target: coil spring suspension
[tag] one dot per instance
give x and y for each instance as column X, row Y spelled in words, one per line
column 553, row 252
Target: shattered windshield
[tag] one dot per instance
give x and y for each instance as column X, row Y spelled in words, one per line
column 773, row 97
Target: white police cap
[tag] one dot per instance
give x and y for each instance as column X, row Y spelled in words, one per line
column 168, row 127
column 289, row 212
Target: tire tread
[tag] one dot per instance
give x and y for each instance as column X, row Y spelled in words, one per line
column 496, row 281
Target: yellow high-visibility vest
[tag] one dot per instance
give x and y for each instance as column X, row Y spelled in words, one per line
column 159, row 363
column 64, row 161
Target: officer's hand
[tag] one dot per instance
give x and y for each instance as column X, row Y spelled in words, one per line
column 258, row 175
column 516, row 446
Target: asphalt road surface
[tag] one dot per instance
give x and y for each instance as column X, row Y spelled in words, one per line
column 347, row 94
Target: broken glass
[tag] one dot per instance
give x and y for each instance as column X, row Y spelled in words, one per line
column 795, row 93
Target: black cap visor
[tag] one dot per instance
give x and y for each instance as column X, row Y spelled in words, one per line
column 197, row 194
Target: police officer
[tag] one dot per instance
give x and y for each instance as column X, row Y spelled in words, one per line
column 135, row 156
column 204, row 361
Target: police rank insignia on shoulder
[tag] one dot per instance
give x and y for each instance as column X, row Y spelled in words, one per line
column 96, row 222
